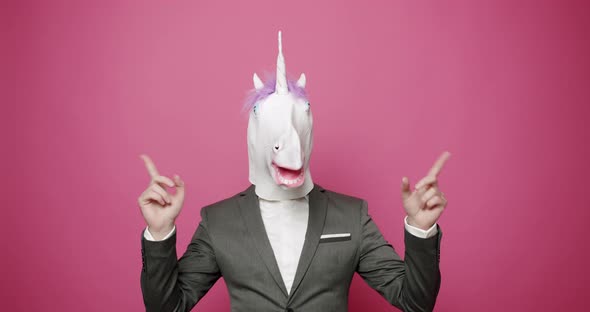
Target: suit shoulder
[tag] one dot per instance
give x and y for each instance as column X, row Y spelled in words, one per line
column 222, row 204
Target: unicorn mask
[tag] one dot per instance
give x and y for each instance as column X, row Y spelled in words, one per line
column 280, row 136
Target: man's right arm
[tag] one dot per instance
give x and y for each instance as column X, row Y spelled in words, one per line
column 168, row 284
column 147, row 235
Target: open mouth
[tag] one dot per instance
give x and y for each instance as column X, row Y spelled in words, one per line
column 288, row 177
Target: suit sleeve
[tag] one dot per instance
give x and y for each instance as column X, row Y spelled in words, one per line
column 410, row 285
column 168, row 284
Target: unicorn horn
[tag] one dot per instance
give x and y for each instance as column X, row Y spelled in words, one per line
column 281, row 86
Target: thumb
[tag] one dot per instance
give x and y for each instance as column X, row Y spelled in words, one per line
column 406, row 192
column 179, row 185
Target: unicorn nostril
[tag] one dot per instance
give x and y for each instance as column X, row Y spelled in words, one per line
column 277, row 147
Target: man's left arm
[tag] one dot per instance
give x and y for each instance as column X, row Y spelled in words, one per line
column 411, row 284
column 418, row 232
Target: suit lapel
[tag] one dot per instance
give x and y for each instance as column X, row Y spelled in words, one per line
column 250, row 210
column 318, row 203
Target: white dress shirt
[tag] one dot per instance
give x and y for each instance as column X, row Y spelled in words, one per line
column 285, row 222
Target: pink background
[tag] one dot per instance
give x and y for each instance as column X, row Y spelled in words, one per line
column 502, row 85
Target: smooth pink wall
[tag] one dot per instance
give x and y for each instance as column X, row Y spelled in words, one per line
column 502, row 85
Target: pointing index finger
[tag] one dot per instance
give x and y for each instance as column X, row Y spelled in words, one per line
column 437, row 167
column 149, row 164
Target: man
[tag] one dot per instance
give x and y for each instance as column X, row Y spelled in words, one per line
column 286, row 243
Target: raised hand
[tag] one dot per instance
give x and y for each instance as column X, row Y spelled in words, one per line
column 426, row 202
column 160, row 208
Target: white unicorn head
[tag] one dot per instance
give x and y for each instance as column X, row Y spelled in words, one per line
column 280, row 136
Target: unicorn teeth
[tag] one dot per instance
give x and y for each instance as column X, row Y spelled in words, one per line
column 297, row 181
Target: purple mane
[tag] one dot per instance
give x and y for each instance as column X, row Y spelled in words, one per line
column 269, row 88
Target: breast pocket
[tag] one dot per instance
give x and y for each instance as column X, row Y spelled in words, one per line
column 335, row 237
column 334, row 258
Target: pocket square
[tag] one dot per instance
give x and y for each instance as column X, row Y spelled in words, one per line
column 334, row 237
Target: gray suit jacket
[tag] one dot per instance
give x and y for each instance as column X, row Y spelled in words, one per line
column 231, row 242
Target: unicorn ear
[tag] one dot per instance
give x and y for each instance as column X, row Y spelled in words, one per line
column 257, row 82
column 301, row 81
